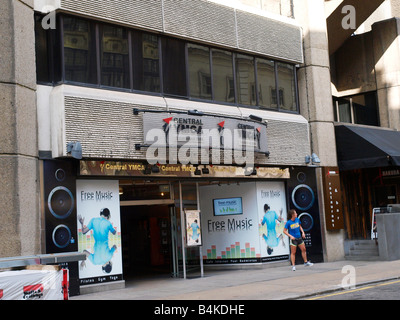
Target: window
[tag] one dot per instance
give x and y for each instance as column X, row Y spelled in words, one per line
column 344, row 111
column 245, row 80
column 287, row 87
column 174, row 67
column 358, row 109
column 79, row 50
column 146, row 62
column 266, row 84
column 365, row 109
column 95, row 53
column 199, row 72
column 223, row 83
column 48, row 52
column 114, row 57
column 43, row 63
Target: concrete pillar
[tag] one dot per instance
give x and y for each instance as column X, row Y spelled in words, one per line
column 316, row 105
column 386, row 48
column 19, row 192
column 315, row 81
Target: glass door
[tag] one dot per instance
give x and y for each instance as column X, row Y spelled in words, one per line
column 187, row 260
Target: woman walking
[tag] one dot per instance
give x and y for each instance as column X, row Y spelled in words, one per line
column 296, row 235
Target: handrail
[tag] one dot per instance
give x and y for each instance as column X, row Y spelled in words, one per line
column 53, row 258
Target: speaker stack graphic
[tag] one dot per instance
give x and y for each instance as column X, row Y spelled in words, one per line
column 60, row 213
column 302, row 191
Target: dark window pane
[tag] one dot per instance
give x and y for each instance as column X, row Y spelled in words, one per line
column 42, row 51
column 266, row 84
column 114, row 57
column 174, row 67
column 79, row 50
column 199, row 71
column 286, row 82
column 146, row 62
column 245, row 80
column 224, row 89
column 365, row 109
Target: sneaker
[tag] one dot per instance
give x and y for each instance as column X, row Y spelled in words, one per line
column 308, row 264
column 293, row 268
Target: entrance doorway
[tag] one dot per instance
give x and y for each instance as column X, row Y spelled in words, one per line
column 146, row 241
column 151, row 228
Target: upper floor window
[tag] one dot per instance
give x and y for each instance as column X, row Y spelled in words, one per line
column 287, row 87
column 114, row 57
column 174, row 67
column 146, row 62
column 266, row 84
column 99, row 54
column 357, row 109
column 223, row 84
column 199, row 72
column 79, row 50
column 245, row 80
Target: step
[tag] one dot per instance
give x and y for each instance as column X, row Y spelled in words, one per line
column 366, row 250
column 363, row 252
column 362, row 258
column 363, row 243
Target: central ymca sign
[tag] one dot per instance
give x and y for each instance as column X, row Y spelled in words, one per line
column 182, row 138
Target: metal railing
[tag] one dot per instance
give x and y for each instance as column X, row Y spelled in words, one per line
column 55, row 258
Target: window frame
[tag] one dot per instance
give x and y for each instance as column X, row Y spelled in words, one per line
column 352, row 111
column 56, row 39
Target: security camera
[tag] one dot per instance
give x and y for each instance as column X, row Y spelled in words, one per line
column 75, row 149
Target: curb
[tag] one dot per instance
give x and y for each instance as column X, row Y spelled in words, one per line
column 326, row 291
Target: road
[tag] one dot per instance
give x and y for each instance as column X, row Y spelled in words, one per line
column 389, row 290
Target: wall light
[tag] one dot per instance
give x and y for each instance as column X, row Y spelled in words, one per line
column 205, row 170
column 256, row 118
column 197, row 172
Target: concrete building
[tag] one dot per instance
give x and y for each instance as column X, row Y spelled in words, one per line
column 88, row 86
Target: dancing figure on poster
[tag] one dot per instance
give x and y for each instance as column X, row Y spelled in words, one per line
column 102, row 253
column 271, row 219
column 195, row 231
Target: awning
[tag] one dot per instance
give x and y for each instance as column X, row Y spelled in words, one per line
column 366, row 147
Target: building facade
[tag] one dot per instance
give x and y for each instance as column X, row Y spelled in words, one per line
column 364, row 72
column 172, row 114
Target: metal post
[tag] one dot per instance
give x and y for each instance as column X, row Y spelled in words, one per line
column 201, row 247
column 182, row 231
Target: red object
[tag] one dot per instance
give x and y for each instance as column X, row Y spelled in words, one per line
column 35, row 287
column 65, row 284
column 168, row 120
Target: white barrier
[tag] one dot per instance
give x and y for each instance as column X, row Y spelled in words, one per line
column 44, row 284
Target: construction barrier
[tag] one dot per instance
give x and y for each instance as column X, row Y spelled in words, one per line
column 35, row 283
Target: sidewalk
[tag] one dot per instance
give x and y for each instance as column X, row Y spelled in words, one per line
column 272, row 283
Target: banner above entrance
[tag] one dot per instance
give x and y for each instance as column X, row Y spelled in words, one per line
column 197, row 130
column 138, row 169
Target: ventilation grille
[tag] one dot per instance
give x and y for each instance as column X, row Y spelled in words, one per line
column 262, row 35
column 199, row 20
column 109, row 130
column 139, row 13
